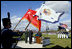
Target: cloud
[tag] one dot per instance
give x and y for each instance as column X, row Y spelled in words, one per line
column 43, row 26
column 1, row 25
column 55, row 26
column 64, row 16
column 68, row 22
column 15, row 19
column 22, row 25
column 59, row 6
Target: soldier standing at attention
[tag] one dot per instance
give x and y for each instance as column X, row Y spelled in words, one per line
column 30, row 36
column 26, row 36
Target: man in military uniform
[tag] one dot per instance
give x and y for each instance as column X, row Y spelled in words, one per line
column 30, row 36
column 7, row 34
column 26, row 36
column 61, row 32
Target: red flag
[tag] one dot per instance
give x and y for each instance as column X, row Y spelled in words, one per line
column 64, row 25
column 34, row 21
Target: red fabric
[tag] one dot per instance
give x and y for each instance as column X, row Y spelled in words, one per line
column 64, row 25
column 34, row 21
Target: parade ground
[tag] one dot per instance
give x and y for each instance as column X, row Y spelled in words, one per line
column 54, row 43
column 22, row 44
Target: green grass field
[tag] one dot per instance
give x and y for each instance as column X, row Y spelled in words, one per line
column 55, row 41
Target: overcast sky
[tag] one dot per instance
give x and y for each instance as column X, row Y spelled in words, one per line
column 17, row 10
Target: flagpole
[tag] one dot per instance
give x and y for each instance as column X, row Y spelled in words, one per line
column 17, row 24
column 14, row 29
column 31, row 20
column 25, row 28
column 29, row 23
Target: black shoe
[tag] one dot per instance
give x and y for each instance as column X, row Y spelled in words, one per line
column 30, row 43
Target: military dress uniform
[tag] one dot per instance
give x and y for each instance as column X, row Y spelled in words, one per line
column 7, row 35
column 26, row 36
column 30, row 36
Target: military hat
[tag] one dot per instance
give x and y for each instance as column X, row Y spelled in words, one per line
column 6, row 21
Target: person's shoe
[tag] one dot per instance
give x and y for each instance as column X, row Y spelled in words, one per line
column 30, row 43
column 25, row 42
